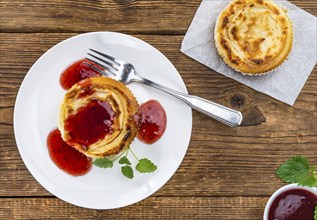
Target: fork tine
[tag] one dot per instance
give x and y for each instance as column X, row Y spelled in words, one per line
column 111, row 65
column 104, row 72
column 119, row 62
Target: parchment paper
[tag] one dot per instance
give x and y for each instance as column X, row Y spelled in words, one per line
column 283, row 84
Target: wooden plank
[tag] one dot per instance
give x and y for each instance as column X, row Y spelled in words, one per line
column 244, row 170
column 218, row 156
column 29, row 47
column 84, row 15
column 142, row 16
column 226, row 174
column 250, row 208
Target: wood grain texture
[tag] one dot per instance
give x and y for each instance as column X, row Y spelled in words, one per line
column 146, row 16
column 151, row 208
column 217, row 154
column 226, row 174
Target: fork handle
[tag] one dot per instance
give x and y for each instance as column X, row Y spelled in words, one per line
column 216, row 111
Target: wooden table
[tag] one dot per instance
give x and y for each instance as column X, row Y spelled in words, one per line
column 226, row 174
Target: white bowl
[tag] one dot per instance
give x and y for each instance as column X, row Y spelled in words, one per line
column 280, row 191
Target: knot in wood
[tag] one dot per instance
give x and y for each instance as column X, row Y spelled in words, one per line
column 238, row 100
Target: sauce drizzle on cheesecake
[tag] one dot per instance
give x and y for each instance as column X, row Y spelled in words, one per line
column 90, row 123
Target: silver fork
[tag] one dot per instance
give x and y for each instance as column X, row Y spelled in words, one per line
column 126, row 73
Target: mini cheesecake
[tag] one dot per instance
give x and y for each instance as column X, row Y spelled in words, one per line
column 253, row 36
column 99, row 117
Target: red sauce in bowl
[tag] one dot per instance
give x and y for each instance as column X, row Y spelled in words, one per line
column 66, row 157
column 77, row 72
column 153, row 122
column 293, row 204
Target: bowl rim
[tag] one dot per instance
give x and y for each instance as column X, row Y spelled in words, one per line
column 280, row 191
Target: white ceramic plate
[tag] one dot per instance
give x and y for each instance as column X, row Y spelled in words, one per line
column 36, row 114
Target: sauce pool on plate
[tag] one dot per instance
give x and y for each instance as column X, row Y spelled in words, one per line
column 77, row 72
column 153, row 122
column 293, row 204
column 66, row 157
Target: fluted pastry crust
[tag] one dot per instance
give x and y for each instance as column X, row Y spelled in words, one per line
column 253, row 36
column 123, row 103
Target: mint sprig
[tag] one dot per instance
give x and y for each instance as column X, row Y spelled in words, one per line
column 315, row 215
column 144, row 165
column 298, row 170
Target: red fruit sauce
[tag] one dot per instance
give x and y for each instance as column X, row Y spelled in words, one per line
column 153, row 122
column 77, row 72
column 294, row 204
column 91, row 123
column 66, row 157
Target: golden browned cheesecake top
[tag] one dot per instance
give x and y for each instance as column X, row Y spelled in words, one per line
column 253, row 36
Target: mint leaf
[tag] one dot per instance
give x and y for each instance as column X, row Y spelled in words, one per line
column 124, row 160
column 298, row 170
column 315, row 216
column 309, row 181
column 294, row 169
column 127, row 171
column 145, row 166
column 103, row 163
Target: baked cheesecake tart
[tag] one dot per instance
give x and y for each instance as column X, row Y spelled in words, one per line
column 99, row 117
column 253, row 36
